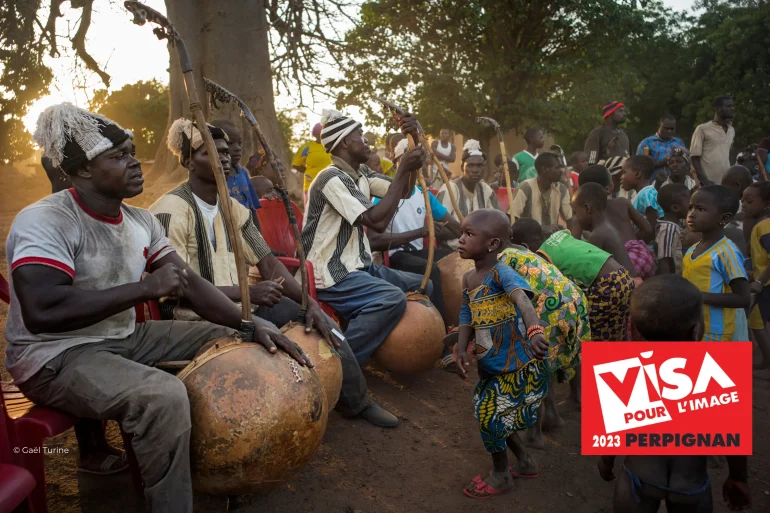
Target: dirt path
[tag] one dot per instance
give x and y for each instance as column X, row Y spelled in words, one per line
column 419, row 467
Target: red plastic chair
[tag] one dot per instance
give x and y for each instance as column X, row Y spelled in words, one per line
column 16, row 484
column 5, row 293
column 276, row 229
column 502, row 197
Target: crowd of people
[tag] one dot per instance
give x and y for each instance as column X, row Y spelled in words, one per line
column 654, row 246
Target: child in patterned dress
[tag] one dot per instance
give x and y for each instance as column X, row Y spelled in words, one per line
column 510, row 351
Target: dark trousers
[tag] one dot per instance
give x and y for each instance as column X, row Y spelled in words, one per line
column 415, row 262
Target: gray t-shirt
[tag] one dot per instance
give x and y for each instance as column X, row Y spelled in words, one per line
column 97, row 252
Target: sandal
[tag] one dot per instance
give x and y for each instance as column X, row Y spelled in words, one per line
column 515, row 475
column 448, row 364
column 478, row 489
column 110, row 465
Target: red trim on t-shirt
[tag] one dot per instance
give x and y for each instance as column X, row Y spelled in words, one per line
column 95, row 215
column 154, row 256
column 44, row 261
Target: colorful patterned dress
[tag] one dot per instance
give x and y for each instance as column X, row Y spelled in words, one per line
column 512, row 382
column 560, row 304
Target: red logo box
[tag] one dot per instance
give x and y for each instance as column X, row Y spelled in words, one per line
column 666, row 398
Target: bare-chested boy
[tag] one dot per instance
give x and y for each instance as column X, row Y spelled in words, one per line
column 632, row 227
column 669, row 307
column 589, row 204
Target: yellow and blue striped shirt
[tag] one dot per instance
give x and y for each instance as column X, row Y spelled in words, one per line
column 712, row 273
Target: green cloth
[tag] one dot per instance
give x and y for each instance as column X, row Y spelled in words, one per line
column 526, row 165
column 577, row 260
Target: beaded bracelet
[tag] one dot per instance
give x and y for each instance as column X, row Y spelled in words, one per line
column 533, row 330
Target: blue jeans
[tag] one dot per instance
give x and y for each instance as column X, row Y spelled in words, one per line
column 373, row 300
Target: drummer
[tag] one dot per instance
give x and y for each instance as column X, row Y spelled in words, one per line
column 195, row 227
column 370, row 296
column 76, row 260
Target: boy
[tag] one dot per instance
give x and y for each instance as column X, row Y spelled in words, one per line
column 526, row 158
column 670, row 308
column 578, row 162
column 637, row 175
column 674, row 199
column 679, row 166
column 264, row 188
column 714, row 264
column 606, row 283
column 544, row 197
column 513, row 166
column 238, row 180
column 623, row 217
column 510, row 349
column 756, row 205
column 589, row 203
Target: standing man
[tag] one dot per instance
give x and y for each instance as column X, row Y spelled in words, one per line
column 76, row 260
column 311, row 159
column 525, row 159
column 370, row 296
column 660, row 146
column 608, row 140
column 446, row 152
column 711, row 142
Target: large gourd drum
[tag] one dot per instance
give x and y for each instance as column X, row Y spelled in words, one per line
column 416, row 342
column 452, row 269
column 326, row 361
column 257, row 418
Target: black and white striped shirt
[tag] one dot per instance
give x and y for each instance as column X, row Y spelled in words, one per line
column 332, row 239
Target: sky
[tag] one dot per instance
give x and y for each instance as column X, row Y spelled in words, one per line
column 114, row 41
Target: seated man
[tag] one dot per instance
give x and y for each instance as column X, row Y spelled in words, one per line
column 403, row 237
column 370, row 296
column 544, row 198
column 76, row 261
column 191, row 211
column 470, row 191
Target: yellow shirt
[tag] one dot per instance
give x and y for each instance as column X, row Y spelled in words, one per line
column 712, row 273
column 760, row 244
column 315, row 159
column 387, row 167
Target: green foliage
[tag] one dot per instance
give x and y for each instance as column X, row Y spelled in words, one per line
column 23, row 79
column 294, row 129
column 141, row 107
column 555, row 63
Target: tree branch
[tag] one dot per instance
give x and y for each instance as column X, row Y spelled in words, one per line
column 79, row 41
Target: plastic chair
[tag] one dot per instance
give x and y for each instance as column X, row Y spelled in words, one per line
column 502, row 197
column 5, row 293
column 276, row 229
column 16, row 483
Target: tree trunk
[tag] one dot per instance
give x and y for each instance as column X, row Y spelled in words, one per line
column 228, row 43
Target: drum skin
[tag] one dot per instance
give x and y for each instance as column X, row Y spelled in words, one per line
column 417, row 341
column 257, row 418
column 326, row 361
column 452, row 269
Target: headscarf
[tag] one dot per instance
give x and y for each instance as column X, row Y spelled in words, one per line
column 336, row 127
column 680, row 152
column 184, row 137
column 71, row 136
column 611, row 107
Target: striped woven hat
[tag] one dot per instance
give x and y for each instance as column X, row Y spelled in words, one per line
column 336, row 127
column 71, row 137
column 614, row 164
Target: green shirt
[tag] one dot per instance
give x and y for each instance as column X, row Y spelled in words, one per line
column 526, row 163
column 577, row 260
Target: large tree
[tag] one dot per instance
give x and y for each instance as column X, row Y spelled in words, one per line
column 551, row 63
column 248, row 46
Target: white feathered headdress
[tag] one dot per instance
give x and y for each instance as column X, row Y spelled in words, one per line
column 472, row 148
column 183, row 136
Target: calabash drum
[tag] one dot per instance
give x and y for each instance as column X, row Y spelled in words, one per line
column 327, row 362
column 452, row 269
column 257, row 418
column 416, row 342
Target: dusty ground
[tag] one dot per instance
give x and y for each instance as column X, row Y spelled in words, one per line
column 419, row 467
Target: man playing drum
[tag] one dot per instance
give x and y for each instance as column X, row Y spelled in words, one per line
column 370, row 296
column 195, row 227
column 76, row 260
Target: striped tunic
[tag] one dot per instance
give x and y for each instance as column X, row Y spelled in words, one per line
column 332, row 236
